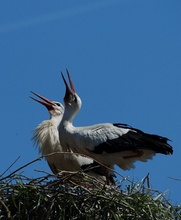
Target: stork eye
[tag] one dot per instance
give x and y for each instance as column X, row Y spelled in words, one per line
column 58, row 104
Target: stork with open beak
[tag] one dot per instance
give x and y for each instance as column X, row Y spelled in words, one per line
column 46, row 137
column 110, row 144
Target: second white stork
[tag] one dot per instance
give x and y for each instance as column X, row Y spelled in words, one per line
column 110, row 144
column 46, row 137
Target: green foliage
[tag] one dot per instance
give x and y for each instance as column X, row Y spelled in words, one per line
column 77, row 196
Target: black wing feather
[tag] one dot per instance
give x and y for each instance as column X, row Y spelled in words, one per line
column 97, row 168
column 135, row 139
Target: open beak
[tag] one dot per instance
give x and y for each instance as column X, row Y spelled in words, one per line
column 69, row 90
column 46, row 102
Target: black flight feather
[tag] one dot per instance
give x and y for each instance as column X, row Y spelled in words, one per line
column 135, row 139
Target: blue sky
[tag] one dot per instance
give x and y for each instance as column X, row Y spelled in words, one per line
column 125, row 60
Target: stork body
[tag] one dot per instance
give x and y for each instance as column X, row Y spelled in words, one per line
column 108, row 143
column 46, row 137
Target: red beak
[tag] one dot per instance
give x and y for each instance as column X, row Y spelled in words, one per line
column 46, row 102
column 69, row 91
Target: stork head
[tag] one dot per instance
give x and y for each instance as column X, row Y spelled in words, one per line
column 71, row 99
column 54, row 108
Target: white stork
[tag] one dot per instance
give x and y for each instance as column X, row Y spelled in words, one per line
column 107, row 143
column 46, row 137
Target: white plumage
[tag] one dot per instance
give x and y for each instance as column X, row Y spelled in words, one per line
column 46, row 137
column 108, row 143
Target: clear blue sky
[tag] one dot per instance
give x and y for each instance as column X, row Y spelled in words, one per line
column 125, row 60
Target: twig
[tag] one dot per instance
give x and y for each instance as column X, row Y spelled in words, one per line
column 10, row 166
column 33, row 161
column 177, row 179
column 7, row 210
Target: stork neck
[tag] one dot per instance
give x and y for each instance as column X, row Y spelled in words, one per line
column 55, row 119
column 69, row 114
